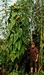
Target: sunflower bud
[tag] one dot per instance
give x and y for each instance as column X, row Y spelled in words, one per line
column 17, row 17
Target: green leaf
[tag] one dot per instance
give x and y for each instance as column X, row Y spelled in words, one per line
column 15, row 37
column 11, row 36
column 12, row 21
column 22, row 49
column 19, row 31
column 13, row 51
column 10, row 26
column 19, row 44
column 11, row 39
column 17, row 54
column 15, row 47
column 8, row 34
column 14, row 14
column 12, row 57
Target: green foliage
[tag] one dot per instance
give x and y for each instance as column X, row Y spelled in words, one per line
column 41, row 72
column 4, row 54
column 18, row 30
column 13, row 73
column 19, row 27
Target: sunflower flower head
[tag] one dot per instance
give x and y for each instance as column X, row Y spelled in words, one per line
column 14, row 4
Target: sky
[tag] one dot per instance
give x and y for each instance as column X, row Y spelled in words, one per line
column 11, row 2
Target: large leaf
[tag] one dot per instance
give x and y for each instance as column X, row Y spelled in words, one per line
column 14, row 14
column 12, row 21
column 8, row 34
column 11, row 39
column 10, row 26
column 12, row 56
column 15, row 47
column 19, row 31
column 19, row 44
column 15, row 37
column 22, row 49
